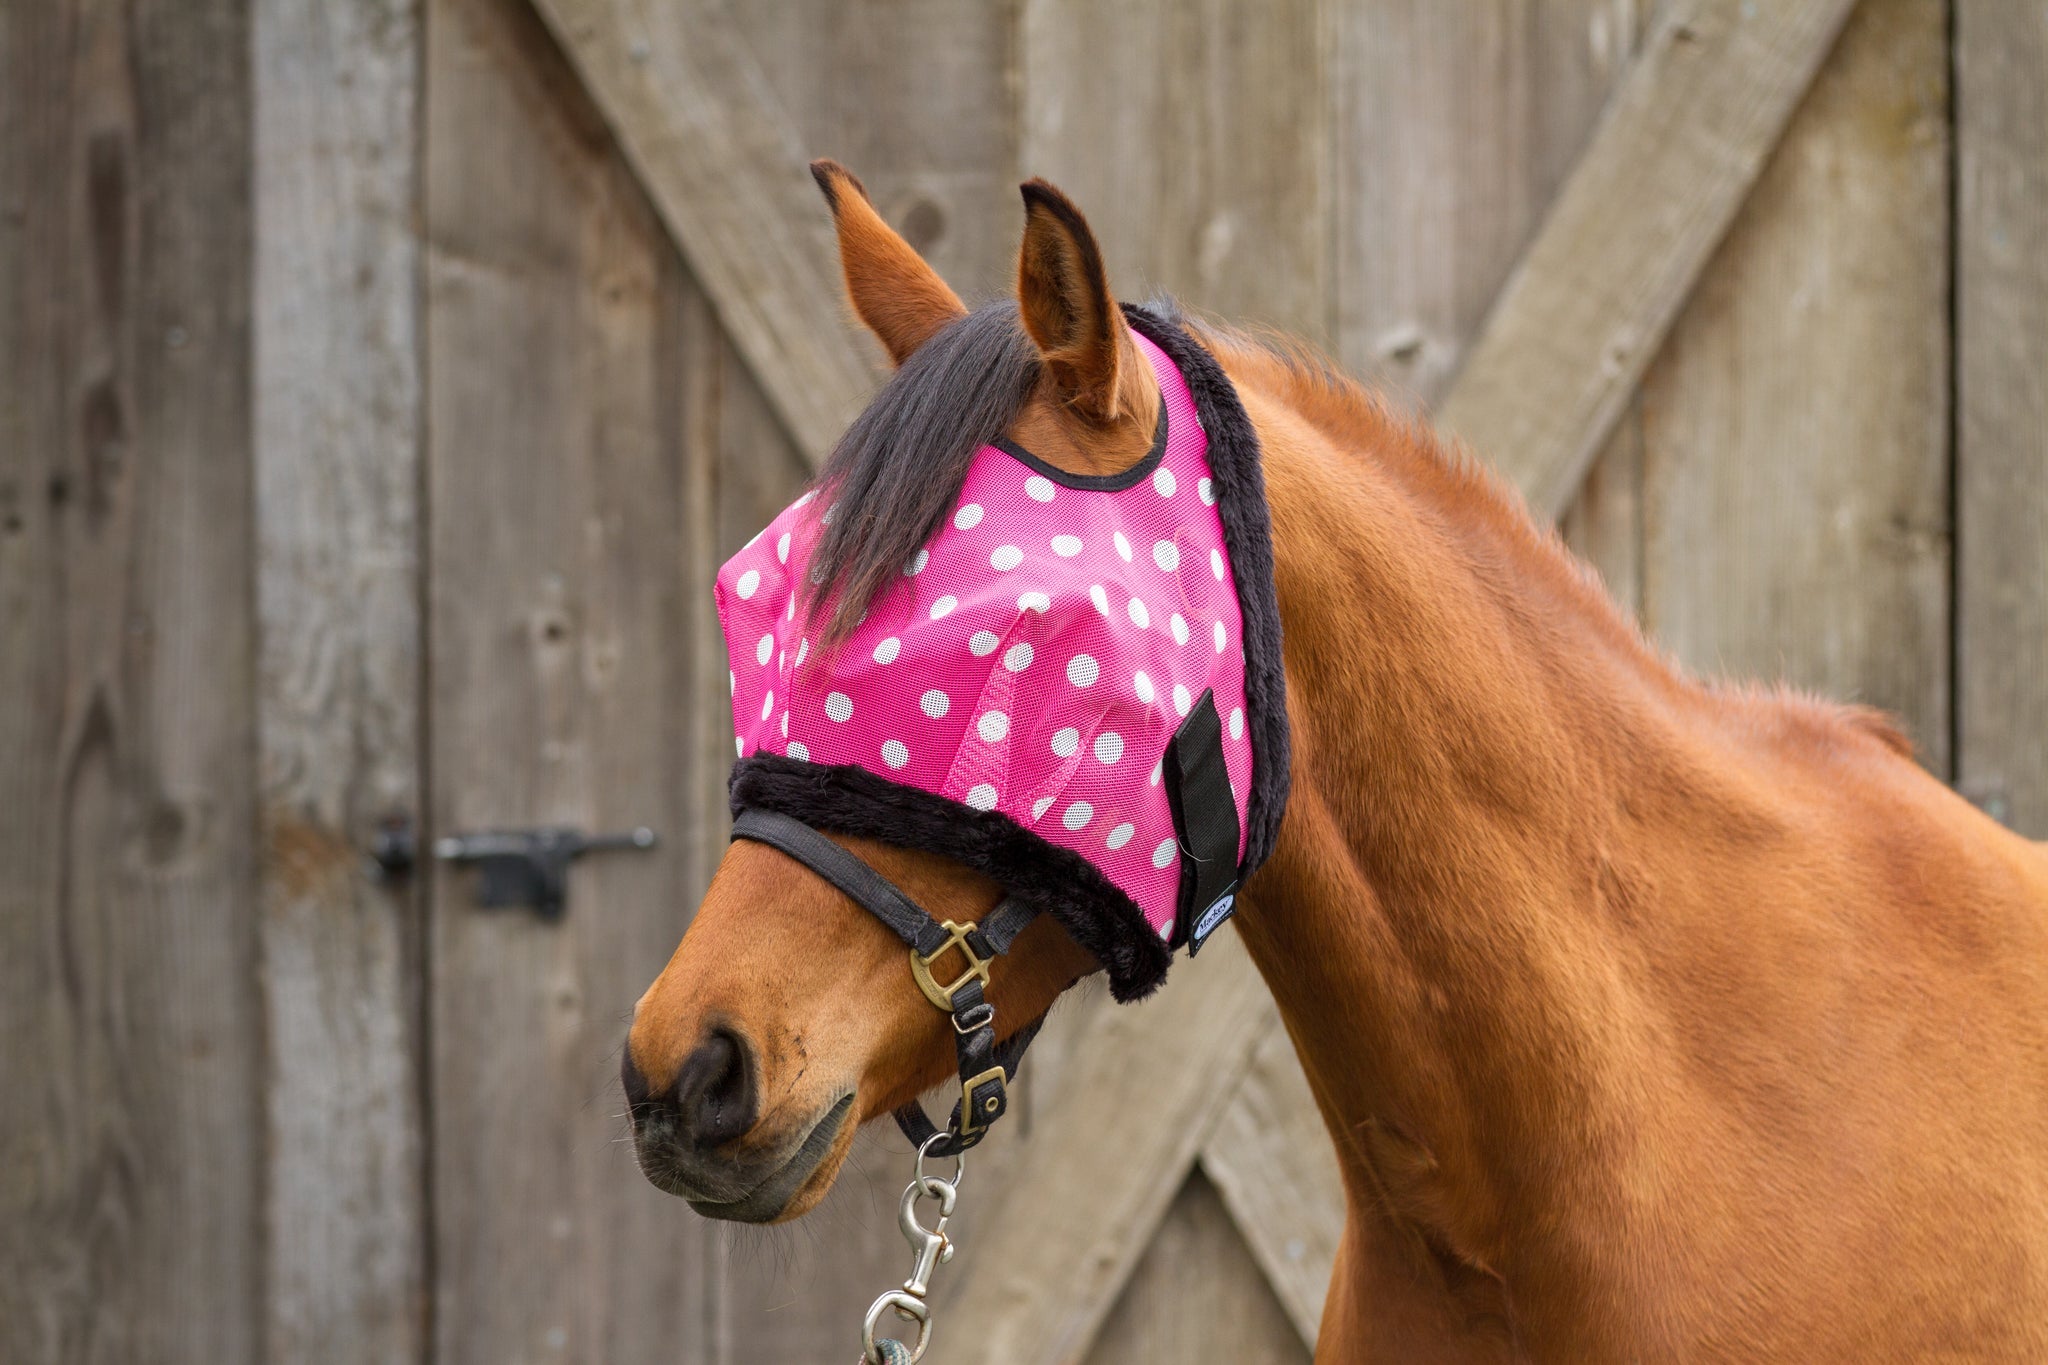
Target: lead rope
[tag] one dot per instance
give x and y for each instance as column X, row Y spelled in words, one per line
column 932, row 1247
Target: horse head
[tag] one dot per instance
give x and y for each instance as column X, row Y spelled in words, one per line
column 790, row 1013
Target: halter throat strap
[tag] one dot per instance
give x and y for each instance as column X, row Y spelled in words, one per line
column 986, row 1067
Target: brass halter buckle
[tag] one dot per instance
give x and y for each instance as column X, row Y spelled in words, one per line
column 921, row 966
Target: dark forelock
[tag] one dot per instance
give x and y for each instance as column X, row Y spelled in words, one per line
column 898, row 469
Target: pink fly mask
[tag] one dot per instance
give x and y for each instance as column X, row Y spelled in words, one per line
column 1075, row 687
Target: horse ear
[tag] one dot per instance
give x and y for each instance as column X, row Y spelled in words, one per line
column 893, row 289
column 1063, row 295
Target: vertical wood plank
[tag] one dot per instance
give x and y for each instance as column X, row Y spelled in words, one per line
column 337, row 474
column 561, row 662
column 1195, row 138
column 131, row 1137
column 1452, row 127
column 1197, row 1296
column 696, row 121
column 915, row 97
column 2002, row 392
column 1796, row 425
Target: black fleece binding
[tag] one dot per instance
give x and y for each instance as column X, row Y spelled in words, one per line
column 1094, row 911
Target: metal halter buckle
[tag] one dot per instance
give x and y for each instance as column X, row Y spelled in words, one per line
column 973, row 1118
column 921, row 965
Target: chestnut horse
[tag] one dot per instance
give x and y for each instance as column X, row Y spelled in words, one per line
column 1652, row 1020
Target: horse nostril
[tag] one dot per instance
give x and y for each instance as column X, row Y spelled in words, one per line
column 639, row 1096
column 714, row 1091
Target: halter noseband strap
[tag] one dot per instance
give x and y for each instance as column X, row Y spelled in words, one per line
column 986, row 1067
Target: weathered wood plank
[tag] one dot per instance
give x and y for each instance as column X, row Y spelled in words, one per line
column 725, row 169
column 2002, row 396
column 1795, row 428
column 1195, row 1295
column 130, row 1033
column 1676, row 154
column 560, row 647
column 914, row 96
column 1452, row 128
column 1218, row 112
column 337, row 421
column 1272, row 1161
column 1045, row 1270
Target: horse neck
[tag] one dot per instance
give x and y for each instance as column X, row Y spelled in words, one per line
column 1466, row 711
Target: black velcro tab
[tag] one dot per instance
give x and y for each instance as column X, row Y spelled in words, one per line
column 1205, row 819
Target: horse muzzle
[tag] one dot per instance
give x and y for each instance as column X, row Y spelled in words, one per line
column 689, row 1137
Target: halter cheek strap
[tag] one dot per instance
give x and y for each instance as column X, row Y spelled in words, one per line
column 986, row 1066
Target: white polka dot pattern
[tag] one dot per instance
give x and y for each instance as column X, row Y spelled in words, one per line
column 1032, row 660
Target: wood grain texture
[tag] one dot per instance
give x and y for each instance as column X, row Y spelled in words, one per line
column 1196, row 1296
column 725, row 170
column 1194, row 136
column 1676, row 154
column 1271, row 1159
column 130, row 1031
column 1452, row 128
column 560, row 648
column 1795, row 484
column 337, row 425
column 914, row 97
column 2002, row 409
column 1132, row 1112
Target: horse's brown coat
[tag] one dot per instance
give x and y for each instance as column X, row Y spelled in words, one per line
column 1651, row 1020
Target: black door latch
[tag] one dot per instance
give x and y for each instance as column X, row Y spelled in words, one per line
column 515, row 867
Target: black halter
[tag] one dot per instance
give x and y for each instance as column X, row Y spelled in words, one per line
column 986, row 1067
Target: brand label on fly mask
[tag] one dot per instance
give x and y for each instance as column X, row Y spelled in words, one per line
column 1206, row 925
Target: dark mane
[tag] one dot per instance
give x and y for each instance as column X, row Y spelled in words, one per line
column 899, row 468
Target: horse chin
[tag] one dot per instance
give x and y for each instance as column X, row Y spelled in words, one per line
column 787, row 1191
